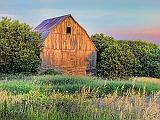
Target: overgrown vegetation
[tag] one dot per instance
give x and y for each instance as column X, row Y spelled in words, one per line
column 59, row 97
column 118, row 59
column 19, row 47
column 51, row 71
column 42, row 99
column 71, row 85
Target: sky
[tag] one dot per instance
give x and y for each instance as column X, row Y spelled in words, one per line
column 122, row 19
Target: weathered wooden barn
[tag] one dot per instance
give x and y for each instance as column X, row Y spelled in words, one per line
column 67, row 46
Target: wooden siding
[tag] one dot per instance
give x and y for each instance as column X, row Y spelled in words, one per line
column 69, row 52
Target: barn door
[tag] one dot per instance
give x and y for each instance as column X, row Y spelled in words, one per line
column 69, row 61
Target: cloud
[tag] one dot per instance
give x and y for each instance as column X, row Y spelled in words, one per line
column 150, row 34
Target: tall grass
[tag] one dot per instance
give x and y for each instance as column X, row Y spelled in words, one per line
column 54, row 107
column 71, row 84
column 48, row 97
column 78, row 106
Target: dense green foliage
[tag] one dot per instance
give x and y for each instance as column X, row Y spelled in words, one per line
column 151, row 64
column 51, row 71
column 19, row 47
column 125, row 58
column 142, row 51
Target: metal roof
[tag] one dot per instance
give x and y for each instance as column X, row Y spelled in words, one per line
column 47, row 25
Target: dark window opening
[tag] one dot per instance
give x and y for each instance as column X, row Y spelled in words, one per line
column 87, row 71
column 68, row 30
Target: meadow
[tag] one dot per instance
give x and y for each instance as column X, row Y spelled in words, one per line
column 55, row 97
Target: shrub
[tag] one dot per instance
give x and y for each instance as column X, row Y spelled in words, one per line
column 19, row 46
column 140, row 49
column 119, row 59
column 151, row 64
column 51, row 72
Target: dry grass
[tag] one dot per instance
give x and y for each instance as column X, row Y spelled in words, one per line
column 147, row 80
column 5, row 96
column 135, row 107
column 130, row 107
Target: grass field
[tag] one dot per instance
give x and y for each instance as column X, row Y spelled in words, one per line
column 147, row 80
column 77, row 98
column 70, row 84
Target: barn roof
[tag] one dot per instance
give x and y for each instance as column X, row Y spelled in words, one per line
column 47, row 25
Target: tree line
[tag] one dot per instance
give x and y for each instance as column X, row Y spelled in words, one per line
column 20, row 53
column 126, row 58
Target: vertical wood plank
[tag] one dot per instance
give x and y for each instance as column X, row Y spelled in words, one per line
column 68, row 51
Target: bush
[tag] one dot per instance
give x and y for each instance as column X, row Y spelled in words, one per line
column 119, row 59
column 19, row 46
column 151, row 64
column 140, row 49
column 51, row 72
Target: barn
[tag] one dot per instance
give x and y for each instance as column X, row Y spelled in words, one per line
column 67, row 46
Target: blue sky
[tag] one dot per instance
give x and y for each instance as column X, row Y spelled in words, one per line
column 123, row 19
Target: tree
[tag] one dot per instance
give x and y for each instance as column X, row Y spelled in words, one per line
column 151, row 64
column 123, row 58
column 117, row 61
column 19, row 47
column 140, row 49
column 101, row 41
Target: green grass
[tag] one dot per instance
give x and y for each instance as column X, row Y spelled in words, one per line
column 65, row 107
column 72, row 84
column 17, row 87
column 62, row 97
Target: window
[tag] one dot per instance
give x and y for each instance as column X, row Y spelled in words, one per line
column 68, row 31
column 87, row 71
